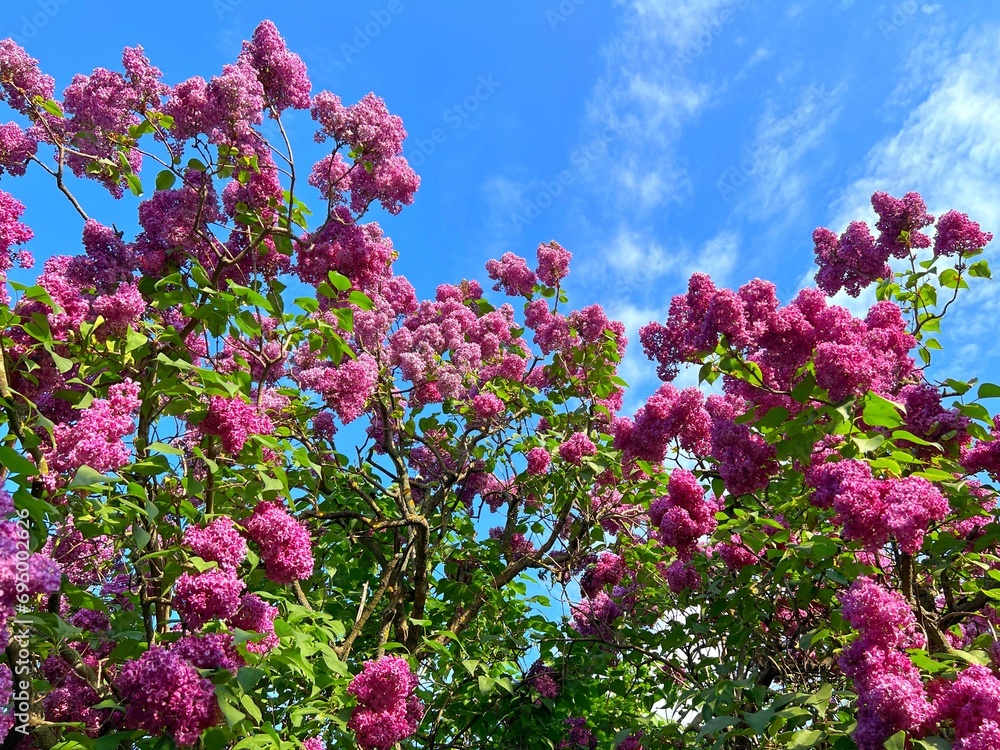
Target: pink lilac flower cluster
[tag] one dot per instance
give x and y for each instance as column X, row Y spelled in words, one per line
column 538, row 461
column 928, row 419
column 96, row 437
column 569, row 336
column 21, row 570
column 209, row 651
column 609, row 569
column 213, row 594
column 285, row 545
column 669, row 414
column 972, row 705
column 958, row 234
column 632, row 742
column 20, row 79
column 984, row 455
column 12, row 232
column 313, row 743
column 449, row 348
column 234, row 420
column 375, row 137
column 683, row 517
column 872, row 510
column 388, row 709
column 578, row 735
column 346, row 387
column 263, row 355
column 219, row 541
column 735, row 554
column 225, row 108
column 72, row 698
column 100, row 109
column 850, row 356
column 891, row 693
column 281, row 73
column 553, row 263
column 16, row 148
column 512, row 275
column 256, row 615
column 575, row 447
column 857, row 259
column 7, row 719
column 361, row 252
column 84, row 561
column 519, row 544
column 595, row 616
column 163, row 691
column 544, row 680
column 856, row 355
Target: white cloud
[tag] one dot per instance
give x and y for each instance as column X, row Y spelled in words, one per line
column 759, row 55
column 650, row 91
column 775, row 165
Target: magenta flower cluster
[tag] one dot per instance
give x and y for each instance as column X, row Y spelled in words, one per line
column 891, row 693
column 165, row 692
column 284, row 543
column 388, row 709
column 872, row 511
column 219, row 542
column 856, row 259
column 233, row 421
column 683, row 517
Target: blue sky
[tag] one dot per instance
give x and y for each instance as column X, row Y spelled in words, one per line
column 652, row 138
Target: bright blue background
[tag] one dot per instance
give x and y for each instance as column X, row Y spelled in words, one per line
column 736, row 127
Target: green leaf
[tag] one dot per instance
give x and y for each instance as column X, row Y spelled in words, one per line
column 51, row 107
column 141, row 536
column 247, row 702
column 897, row 741
column 88, row 477
column 165, row 180
column 716, row 724
column 15, row 462
column 362, row 300
column 470, row 665
column 933, row 743
column 868, row 444
column 804, row 738
column 232, row 714
column 960, row 387
column 988, row 390
column 881, row 412
column 134, row 184
column 339, row 281
column 758, row 722
column 980, row 269
column 486, row 684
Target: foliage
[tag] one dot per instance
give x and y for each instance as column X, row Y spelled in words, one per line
column 236, row 519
